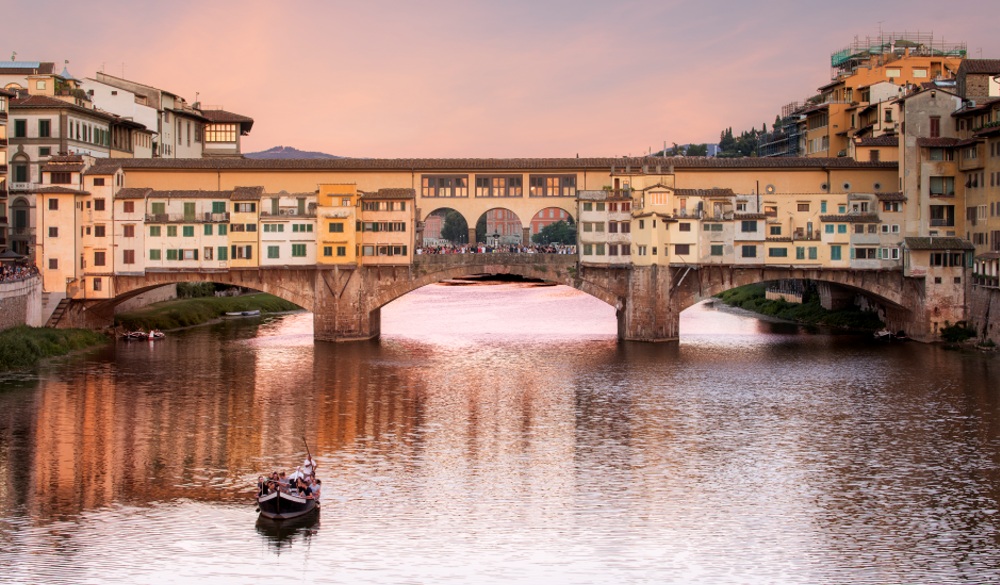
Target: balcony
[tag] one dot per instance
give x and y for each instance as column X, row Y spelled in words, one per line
column 942, row 194
column 207, row 217
column 942, row 222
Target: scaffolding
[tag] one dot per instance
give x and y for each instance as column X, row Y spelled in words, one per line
column 889, row 46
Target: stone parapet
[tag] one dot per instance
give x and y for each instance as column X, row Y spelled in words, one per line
column 21, row 303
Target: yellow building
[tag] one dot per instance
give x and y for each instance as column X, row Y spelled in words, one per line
column 386, row 234
column 337, row 214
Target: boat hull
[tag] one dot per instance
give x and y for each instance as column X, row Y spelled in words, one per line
column 282, row 506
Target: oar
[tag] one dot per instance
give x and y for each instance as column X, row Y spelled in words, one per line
column 309, row 454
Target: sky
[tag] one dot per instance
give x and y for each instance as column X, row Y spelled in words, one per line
column 499, row 79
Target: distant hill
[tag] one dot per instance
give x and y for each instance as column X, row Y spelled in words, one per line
column 287, row 152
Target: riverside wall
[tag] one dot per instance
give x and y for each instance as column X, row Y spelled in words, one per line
column 21, row 303
column 984, row 312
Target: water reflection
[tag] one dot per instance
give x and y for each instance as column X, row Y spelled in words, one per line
column 283, row 534
column 503, row 434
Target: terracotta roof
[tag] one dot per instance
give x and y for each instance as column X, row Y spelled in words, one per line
column 58, row 190
column 884, row 140
column 133, row 193
column 45, row 102
column 897, row 196
column 224, row 117
column 182, row 194
column 977, row 109
column 989, row 131
column 704, row 193
column 492, row 164
column 980, row 66
column 72, row 163
column 7, row 93
column 749, row 216
column 937, row 142
column 852, row 218
column 397, row 193
column 247, row 193
column 935, row 243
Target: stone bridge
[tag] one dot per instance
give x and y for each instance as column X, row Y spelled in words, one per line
column 346, row 302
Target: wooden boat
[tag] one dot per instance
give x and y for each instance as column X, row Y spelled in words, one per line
column 279, row 505
column 253, row 313
column 142, row 335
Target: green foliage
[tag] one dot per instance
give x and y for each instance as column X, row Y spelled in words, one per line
column 23, row 347
column 752, row 298
column 958, row 332
column 188, row 312
column 560, row 232
column 481, row 228
column 455, row 228
column 743, row 146
column 191, row 290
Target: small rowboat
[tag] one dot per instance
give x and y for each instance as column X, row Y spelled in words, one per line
column 253, row 313
column 279, row 505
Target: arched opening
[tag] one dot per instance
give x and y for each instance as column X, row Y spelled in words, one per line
column 500, row 227
column 553, row 225
column 20, row 226
column 444, row 227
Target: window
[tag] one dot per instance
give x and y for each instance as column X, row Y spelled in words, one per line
column 828, row 228
column 223, row 230
column 935, row 126
column 154, row 254
column 778, row 252
column 44, row 128
column 684, row 227
column 942, row 186
column 128, row 256
column 327, row 251
column 97, row 284
column 775, row 230
column 44, row 151
column 341, row 251
column 245, row 208
column 208, row 231
column 98, row 231
column 99, row 182
column 803, row 207
column 53, row 264
column 99, row 258
column 716, row 250
column 500, row 186
column 748, row 251
column 154, row 231
column 835, row 253
column 552, row 185
column 218, row 133
column 218, row 207
column 300, row 227
column 188, row 231
column 223, row 253
column 841, row 228
column 444, row 186
column 61, row 178
column 272, row 252
column 207, row 253
column 682, row 249
column 748, row 225
column 336, row 227
column 20, row 128
column 864, row 253
column 53, row 232
column 171, row 231
column 98, row 204
column 53, row 204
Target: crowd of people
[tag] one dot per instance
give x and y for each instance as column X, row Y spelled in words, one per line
column 12, row 272
column 500, row 249
column 302, row 482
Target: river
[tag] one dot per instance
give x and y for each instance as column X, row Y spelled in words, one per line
column 501, row 434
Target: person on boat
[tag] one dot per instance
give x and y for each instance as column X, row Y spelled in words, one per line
column 303, row 486
column 316, row 487
column 262, row 489
column 282, row 482
column 309, row 467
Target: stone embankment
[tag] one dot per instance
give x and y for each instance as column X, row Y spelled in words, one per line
column 984, row 312
column 21, row 303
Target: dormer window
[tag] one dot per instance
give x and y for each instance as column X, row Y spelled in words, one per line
column 61, row 178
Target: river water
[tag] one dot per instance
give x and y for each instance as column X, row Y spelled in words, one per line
column 500, row 434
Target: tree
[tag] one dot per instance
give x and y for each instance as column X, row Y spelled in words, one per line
column 481, row 229
column 455, row 228
column 560, row 232
column 697, row 150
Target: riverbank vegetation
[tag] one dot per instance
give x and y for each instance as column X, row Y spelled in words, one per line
column 22, row 347
column 753, row 298
column 192, row 309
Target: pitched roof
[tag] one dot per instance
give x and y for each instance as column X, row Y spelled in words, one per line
column 133, row 193
column 935, row 243
column 247, row 193
column 45, row 102
column 393, row 193
column 26, row 67
column 58, row 190
column 884, row 140
column 460, row 165
column 940, row 142
column 897, row 196
column 224, row 117
column 980, row 66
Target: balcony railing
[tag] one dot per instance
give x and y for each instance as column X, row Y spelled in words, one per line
column 942, row 222
column 207, row 217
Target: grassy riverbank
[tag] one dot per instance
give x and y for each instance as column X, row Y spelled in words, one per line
column 752, row 298
column 23, row 347
column 187, row 312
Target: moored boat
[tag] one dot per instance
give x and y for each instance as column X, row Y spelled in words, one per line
column 253, row 313
column 280, row 505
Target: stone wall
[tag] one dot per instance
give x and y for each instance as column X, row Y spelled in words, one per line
column 984, row 312
column 21, row 303
column 163, row 293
